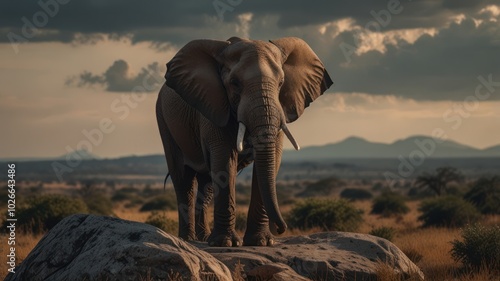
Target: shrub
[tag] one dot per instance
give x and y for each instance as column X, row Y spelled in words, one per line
column 137, row 200
column 43, row 212
column 160, row 221
column 417, row 193
column 126, row 193
column 389, row 204
column 161, row 202
column 327, row 214
column 99, row 204
column 383, row 232
column 356, row 194
column 323, row 187
column 485, row 195
column 148, row 191
column 480, row 247
column 447, row 211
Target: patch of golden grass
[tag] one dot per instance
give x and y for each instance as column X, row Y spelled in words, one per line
column 385, row 272
column 133, row 214
column 24, row 244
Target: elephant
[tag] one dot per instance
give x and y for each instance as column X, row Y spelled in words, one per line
column 225, row 105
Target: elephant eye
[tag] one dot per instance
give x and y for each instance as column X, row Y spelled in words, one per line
column 234, row 82
column 281, row 82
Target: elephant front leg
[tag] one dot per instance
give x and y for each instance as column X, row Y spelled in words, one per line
column 223, row 182
column 203, row 199
column 257, row 232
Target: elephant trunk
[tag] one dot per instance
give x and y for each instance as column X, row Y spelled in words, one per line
column 265, row 165
column 263, row 119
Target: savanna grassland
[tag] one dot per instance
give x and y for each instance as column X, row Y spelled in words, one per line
column 394, row 213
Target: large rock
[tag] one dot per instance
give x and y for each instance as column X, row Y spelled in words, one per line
column 87, row 247
column 321, row 256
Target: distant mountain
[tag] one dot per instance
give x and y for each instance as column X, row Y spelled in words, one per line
column 82, row 154
column 494, row 150
column 352, row 147
column 355, row 147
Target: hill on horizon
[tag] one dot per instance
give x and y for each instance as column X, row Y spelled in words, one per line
column 351, row 147
column 414, row 146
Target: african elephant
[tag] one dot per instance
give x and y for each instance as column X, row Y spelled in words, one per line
column 225, row 104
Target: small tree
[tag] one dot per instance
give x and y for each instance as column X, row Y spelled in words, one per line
column 485, row 195
column 448, row 211
column 439, row 180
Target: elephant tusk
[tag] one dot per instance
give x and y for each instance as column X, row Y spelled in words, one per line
column 241, row 135
column 290, row 137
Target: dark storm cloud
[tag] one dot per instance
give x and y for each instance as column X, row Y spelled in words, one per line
column 167, row 20
column 443, row 67
column 117, row 78
column 106, row 16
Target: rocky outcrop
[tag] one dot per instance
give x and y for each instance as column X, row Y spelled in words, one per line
column 87, row 247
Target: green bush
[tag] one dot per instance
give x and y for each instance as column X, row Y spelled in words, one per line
column 43, row 212
column 485, row 195
column 389, row 204
column 126, row 193
column 160, row 221
column 327, row 214
column 383, row 232
column 356, row 194
column 480, row 247
column 448, row 211
column 324, row 187
column 418, row 193
column 160, row 203
column 99, row 204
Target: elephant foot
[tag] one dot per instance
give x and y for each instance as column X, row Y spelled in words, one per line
column 258, row 238
column 189, row 237
column 224, row 239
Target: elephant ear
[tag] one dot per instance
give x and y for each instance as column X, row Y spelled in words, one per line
column 305, row 76
column 194, row 74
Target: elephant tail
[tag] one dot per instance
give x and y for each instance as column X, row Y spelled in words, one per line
column 165, row 180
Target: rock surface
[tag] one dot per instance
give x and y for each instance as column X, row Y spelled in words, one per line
column 87, row 247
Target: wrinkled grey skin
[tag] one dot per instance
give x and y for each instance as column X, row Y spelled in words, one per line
column 211, row 87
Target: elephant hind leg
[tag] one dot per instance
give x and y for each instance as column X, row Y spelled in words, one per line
column 204, row 197
column 182, row 176
column 184, row 186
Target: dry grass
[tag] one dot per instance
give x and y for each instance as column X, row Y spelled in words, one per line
column 24, row 244
column 385, row 272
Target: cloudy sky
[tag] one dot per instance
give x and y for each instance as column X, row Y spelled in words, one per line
column 74, row 70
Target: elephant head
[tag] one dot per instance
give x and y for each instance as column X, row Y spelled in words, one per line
column 260, row 85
